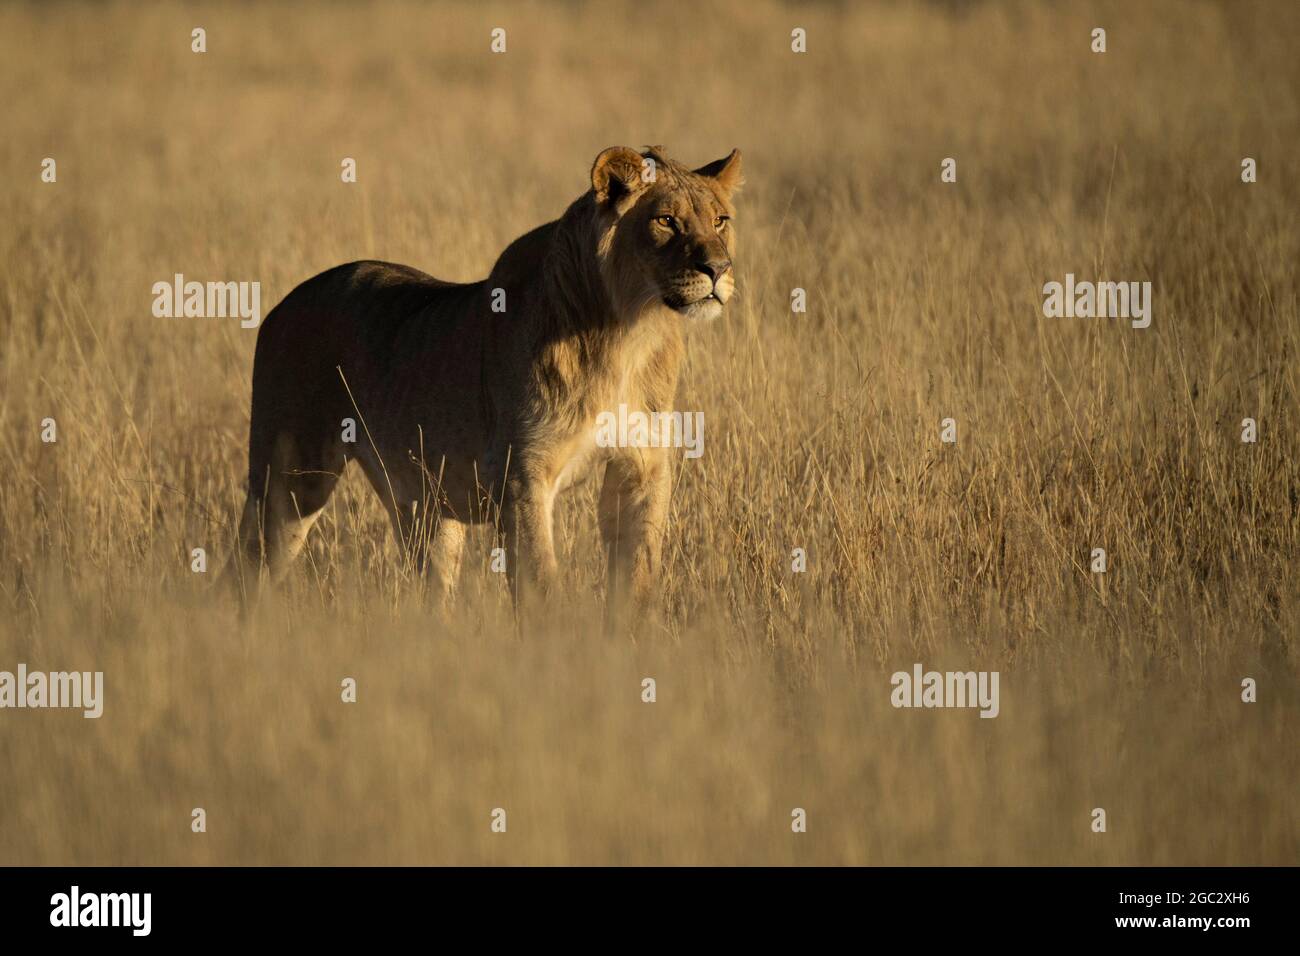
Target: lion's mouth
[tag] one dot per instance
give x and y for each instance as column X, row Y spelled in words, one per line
column 680, row 304
column 704, row 309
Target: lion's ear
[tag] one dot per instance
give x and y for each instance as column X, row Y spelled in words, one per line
column 616, row 174
column 726, row 171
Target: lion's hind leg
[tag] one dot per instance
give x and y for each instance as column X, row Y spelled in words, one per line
column 282, row 508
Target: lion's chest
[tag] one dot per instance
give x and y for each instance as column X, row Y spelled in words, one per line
column 585, row 451
column 623, row 383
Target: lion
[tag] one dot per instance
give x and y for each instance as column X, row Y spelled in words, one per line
column 477, row 402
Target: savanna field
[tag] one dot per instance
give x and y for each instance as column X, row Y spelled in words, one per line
column 1120, row 691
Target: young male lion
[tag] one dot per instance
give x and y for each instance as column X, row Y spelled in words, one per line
column 478, row 401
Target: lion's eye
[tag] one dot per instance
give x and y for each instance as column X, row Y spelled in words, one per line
column 666, row 221
column 720, row 221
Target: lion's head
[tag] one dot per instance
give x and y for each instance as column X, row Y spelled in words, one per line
column 667, row 234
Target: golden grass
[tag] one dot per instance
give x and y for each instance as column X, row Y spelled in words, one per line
column 1118, row 691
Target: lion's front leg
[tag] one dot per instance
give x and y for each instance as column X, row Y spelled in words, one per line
column 633, row 518
column 527, row 527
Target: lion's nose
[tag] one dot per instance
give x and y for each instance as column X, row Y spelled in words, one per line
column 714, row 268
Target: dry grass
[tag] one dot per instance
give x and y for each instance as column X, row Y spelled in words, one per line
column 821, row 432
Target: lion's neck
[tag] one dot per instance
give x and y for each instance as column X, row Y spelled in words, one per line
column 577, row 337
column 575, row 298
